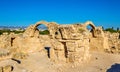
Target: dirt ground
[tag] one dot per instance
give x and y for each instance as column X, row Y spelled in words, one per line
column 39, row 62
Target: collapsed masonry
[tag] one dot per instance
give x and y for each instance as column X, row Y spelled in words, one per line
column 65, row 43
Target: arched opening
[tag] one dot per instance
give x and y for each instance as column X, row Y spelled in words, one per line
column 91, row 28
column 43, row 29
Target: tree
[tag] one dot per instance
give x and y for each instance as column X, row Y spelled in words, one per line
column 117, row 28
column 45, row 32
column 111, row 30
column 102, row 27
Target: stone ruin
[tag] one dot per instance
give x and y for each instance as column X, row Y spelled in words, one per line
column 65, row 43
column 114, row 42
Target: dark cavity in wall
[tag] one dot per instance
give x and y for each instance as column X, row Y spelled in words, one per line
column 65, row 50
column 12, row 39
column 48, row 51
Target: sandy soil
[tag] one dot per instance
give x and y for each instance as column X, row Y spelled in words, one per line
column 39, row 62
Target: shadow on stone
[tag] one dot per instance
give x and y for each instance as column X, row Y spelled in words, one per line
column 48, row 51
column 114, row 68
column 18, row 61
column 12, row 68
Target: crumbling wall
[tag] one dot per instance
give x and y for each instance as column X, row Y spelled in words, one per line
column 5, row 41
column 114, row 42
column 99, row 41
column 65, row 43
column 75, row 39
column 7, row 68
column 68, row 43
column 28, row 44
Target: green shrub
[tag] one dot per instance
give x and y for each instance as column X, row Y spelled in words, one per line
column 9, row 31
column 45, row 32
column 111, row 30
column 81, row 30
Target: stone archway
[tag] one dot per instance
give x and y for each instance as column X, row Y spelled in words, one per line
column 52, row 27
column 32, row 30
column 89, row 23
column 41, row 22
column 35, row 27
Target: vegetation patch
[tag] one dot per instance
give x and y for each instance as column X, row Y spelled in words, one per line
column 44, row 32
column 111, row 30
column 9, row 31
column 81, row 30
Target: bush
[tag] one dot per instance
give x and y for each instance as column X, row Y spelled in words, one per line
column 9, row 31
column 81, row 30
column 17, row 32
column 45, row 32
column 111, row 30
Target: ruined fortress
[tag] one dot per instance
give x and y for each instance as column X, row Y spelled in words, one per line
column 66, row 43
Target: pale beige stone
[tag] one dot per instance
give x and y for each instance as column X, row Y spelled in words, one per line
column 65, row 43
column 7, row 68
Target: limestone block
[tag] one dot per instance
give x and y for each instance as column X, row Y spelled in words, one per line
column 71, row 56
column 80, row 49
column 61, row 56
column 5, row 41
column 53, row 56
column 29, row 44
column 7, row 68
column 71, row 46
column 57, row 45
column 69, row 32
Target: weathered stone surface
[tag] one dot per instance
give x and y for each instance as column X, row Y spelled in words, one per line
column 1, row 69
column 5, row 41
column 99, row 41
column 65, row 43
column 114, row 42
column 7, row 68
column 29, row 44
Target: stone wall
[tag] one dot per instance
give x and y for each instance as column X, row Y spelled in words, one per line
column 7, row 68
column 76, row 43
column 65, row 43
column 98, row 42
column 114, row 42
